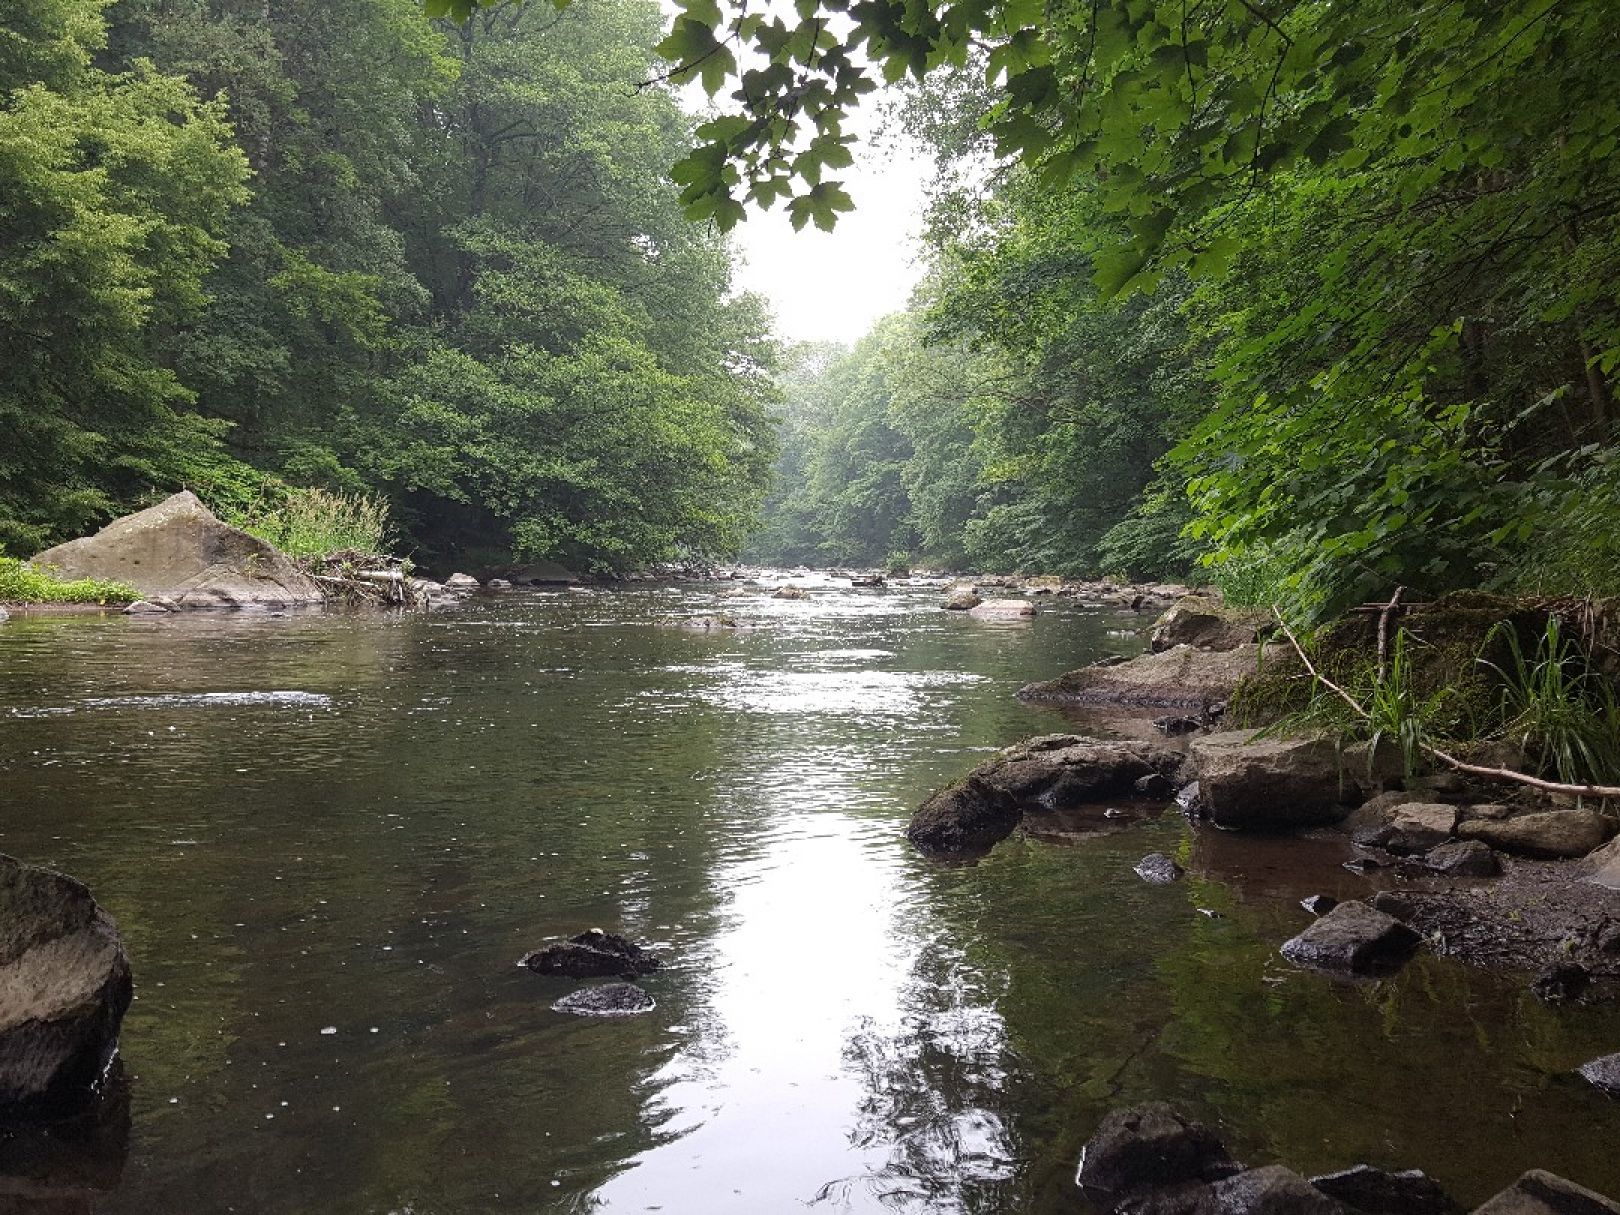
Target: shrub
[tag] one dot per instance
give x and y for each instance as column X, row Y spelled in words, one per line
column 317, row 522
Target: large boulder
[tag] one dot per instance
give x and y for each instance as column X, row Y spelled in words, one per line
column 64, row 987
column 1149, row 1147
column 1542, row 1193
column 178, row 550
column 1056, row 771
column 1205, row 623
column 1181, row 677
column 1002, row 609
column 1550, row 834
column 1355, row 939
column 962, row 600
column 968, row 816
column 1248, row 781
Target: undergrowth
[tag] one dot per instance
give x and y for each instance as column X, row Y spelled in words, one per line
column 317, row 522
column 22, row 583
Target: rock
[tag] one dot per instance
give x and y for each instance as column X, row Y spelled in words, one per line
column 1273, row 1190
column 4, row 615
column 1394, row 903
column 145, row 607
column 180, row 550
column 462, row 582
column 790, row 592
column 1490, row 810
column 1353, row 938
column 971, row 815
column 1002, row 609
column 709, row 622
column 1561, row 983
column 1203, row 623
column 1148, row 1147
column 1607, row 937
column 1270, row 783
column 497, row 584
column 1463, row 858
column 1379, row 810
column 1603, row 867
column 1419, row 826
column 1543, row 1193
column 1155, row 785
column 1190, row 799
column 1061, row 770
column 64, row 987
column 1603, row 1073
column 1157, row 869
column 541, row 573
column 1549, row 834
column 1178, row 678
column 1174, row 727
column 66, row 1165
column 961, row 601
column 591, row 955
column 1319, row 904
column 1376, row 1192
column 606, row 1000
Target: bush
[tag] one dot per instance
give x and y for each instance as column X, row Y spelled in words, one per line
column 317, row 522
column 22, row 583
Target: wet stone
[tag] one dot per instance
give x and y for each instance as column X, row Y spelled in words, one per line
column 606, row 1000
column 1319, row 904
column 1541, row 1193
column 1157, row 869
column 1155, row 784
column 591, row 955
column 1148, row 1147
column 1463, row 858
column 1174, row 726
column 1561, row 983
column 1603, row 1073
column 1377, row 1192
column 1353, row 938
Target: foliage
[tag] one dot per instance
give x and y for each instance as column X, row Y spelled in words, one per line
column 21, row 582
column 317, row 522
column 1561, row 713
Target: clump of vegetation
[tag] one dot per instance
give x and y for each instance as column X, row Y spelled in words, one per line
column 318, row 522
column 22, row 583
column 1559, row 712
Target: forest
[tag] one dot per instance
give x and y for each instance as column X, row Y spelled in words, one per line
column 1309, row 299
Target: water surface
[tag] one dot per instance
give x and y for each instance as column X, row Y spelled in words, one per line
column 327, row 840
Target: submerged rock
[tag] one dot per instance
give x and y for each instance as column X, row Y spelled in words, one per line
column 971, row 815
column 1377, row 1192
column 1603, row 1073
column 1355, row 939
column 1157, row 869
column 591, row 955
column 1561, row 983
column 1550, row 834
column 178, row 549
column 1541, row 1193
column 64, row 988
column 606, row 1000
column 1149, row 1147
column 1271, row 783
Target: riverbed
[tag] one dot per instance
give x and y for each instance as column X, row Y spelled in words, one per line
column 327, row 839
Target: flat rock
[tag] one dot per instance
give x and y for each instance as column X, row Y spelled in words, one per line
column 1419, row 826
column 64, row 987
column 179, row 550
column 1157, row 869
column 1463, row 858
column 591, row 955
column 1542, row 1193
column 606, row 1000
column 1259, row 783
column 1057, row 771
column 1377, row 1192
column 461, row 582
column 1148, row 1147
column 145, row 607
column 969, row 816
column 1002, row 609
column 1549, row 835
column 1604, row 1073
column 1355, row 939
column 1182, row 677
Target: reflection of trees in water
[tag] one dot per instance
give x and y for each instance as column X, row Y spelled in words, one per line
column 936, row 1091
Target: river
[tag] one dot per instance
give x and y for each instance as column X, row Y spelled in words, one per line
column 327, row 840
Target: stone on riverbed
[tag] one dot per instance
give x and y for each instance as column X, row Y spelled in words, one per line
column 1420, row 826
column 790, row 592
column 1355, row 939
column 1178, row 678
column 461, row 582
column 961, row 601
column 1378, row 1192
column 1057, row 771
column 1542, row 1193
column 1149, row 1147
column 1463, row 858
column 1157, row 869
column 1604, row 1074
column 64, row 987
column 1002, row 609
column 1549, row 835
column 1251, row 782
column 606, row 1000
column 591, row 955
column 968, row 816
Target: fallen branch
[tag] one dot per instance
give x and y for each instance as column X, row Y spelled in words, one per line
column 1383, row 631
column 1445, row 757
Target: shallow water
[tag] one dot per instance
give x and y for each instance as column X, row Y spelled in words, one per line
column 327, row 840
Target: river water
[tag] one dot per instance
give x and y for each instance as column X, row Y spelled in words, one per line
column 328, row 839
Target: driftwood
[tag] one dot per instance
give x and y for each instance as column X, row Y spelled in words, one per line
column 1445, row 757
column 365, row 578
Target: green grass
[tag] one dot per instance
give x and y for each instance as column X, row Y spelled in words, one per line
column 22, row 583
column 317, row 523
column 1558, row 710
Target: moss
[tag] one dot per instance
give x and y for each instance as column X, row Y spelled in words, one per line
column 22, row 583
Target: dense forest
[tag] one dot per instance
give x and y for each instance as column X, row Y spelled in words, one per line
column 247, row 246
column 1325, row 295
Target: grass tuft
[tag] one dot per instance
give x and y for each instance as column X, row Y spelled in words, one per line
column 317, row 523
column 22, row 583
